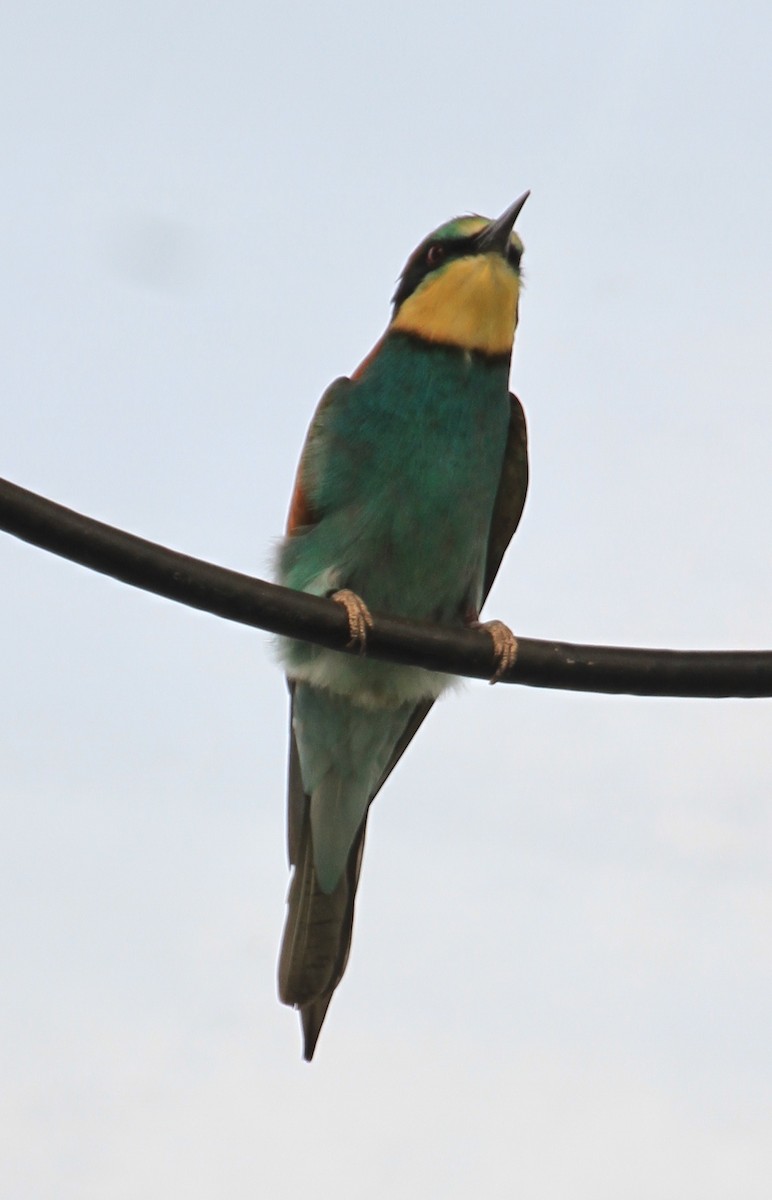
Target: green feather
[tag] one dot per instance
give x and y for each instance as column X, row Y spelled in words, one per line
column 401, row 469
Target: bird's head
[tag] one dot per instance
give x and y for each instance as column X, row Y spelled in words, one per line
column 461, row 286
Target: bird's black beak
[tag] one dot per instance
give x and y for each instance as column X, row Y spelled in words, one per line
column 496, row 236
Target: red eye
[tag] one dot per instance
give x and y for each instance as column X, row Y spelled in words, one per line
column 434, row 255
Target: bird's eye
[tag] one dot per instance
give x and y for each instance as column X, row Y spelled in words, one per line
column 514, row 255
column 434, row 255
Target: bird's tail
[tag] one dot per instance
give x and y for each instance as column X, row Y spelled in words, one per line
column 346, row 751
column 317, row 934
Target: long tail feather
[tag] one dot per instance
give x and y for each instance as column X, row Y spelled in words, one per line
column 317, row 936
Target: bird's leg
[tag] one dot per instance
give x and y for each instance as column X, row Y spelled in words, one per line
column 359, row 619
column 504, row 647
column 504, row 642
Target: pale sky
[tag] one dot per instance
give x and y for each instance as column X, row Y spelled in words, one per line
column 561, row 980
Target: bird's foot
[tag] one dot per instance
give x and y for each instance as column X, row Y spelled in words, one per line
column 359, row 619
column 504, row 645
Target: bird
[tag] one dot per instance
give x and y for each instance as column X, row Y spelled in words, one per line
column 411, row 483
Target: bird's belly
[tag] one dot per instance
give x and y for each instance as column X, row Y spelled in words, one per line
column 419, row 552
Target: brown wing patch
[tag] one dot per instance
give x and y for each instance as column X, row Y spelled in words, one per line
column 365, row 363
column 300, row 512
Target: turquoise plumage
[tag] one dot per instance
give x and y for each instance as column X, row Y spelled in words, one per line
column 411, row 483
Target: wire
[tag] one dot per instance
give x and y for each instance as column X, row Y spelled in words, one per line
column 237, row 597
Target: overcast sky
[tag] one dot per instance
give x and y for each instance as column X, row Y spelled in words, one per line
column 561, row 980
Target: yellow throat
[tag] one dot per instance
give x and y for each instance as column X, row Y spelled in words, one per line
column 471, row 303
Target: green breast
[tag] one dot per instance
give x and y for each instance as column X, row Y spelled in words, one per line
column 405, row 473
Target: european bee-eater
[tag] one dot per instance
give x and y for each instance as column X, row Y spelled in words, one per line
column 411, row 483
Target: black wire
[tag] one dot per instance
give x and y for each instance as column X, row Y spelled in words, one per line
column 238, row 597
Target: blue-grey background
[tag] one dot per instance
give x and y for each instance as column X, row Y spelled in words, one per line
column 561, row 981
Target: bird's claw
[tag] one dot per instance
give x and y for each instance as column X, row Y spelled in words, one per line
column 504, row 646
column 359, row 619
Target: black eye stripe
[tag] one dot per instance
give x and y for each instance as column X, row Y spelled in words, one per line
column 426, row 259
column 423, row 262
column 514, row 254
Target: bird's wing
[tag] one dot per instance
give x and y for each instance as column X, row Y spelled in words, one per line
column 303, row 510
column 507, row 511
column 510, row 498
